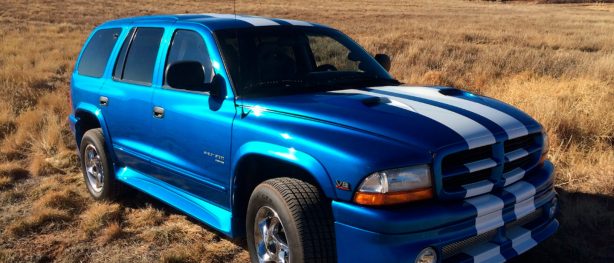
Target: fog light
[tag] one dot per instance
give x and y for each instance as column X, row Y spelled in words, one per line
column 427, row 255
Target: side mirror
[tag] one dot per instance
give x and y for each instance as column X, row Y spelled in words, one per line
column 189, row 75
column 218, row 87
column 383, row 60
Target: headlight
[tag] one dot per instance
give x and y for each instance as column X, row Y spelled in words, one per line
column 396, row 186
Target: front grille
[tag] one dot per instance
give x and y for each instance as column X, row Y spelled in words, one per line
column 458, row 159
column 455, row 248
column 490, row 164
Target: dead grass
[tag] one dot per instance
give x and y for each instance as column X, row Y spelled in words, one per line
column 112, row 232
column 40, row 218
column 555, row 62
column 145, row 217
column 99, row 216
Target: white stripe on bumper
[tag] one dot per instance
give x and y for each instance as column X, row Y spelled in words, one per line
column 489, row 212
column 486, row 252
column 524, row 193
column 521, row 239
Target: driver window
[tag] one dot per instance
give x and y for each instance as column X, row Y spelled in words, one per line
column 331, row 55
column 188, row 45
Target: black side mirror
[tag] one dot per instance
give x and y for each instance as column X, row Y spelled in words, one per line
column 383, row 60
column 188, row 75
column 218, row 87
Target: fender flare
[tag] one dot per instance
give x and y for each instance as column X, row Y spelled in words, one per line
column 288, row 155
column 89, row 109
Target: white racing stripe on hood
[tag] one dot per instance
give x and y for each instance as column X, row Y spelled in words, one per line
column 512, row 126
column 255, row 21
column 474, row 133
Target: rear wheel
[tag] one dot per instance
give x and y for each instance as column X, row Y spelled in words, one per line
column 97, row 170
column 289, row 220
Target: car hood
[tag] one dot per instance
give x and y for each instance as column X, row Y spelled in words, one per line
column 427, row 117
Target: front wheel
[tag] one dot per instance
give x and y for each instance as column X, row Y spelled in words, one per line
column 289, row 220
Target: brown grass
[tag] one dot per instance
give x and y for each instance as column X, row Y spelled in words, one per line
column 555, row 62
column 99, row 216
column 39, row 219
column 111, row 232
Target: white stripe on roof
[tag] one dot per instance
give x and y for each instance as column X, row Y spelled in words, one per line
column 255, row 21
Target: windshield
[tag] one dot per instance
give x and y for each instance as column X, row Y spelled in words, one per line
column 270, row 61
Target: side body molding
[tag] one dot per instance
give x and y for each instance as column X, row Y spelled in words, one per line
column 289, row 155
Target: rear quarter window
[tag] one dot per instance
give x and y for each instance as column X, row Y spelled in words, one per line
column 96, row 54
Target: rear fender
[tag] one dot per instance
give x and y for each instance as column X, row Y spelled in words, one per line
column 88, row 109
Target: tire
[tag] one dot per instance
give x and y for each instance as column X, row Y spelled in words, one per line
column 107, row 188
column 306, row 220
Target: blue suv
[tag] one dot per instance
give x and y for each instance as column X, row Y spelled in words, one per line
column 290, row 134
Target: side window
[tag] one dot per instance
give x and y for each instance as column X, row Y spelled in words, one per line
column 96, row 55
column 121, row 58
column 188, row 45
column 142, row 50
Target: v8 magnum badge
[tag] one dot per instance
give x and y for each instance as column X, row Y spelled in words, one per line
column 341, row 185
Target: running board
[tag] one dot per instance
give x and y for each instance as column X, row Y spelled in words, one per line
column 198, row 208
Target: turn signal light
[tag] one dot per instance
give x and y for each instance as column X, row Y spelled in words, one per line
column 392, row 198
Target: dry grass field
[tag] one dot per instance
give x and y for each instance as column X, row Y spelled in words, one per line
column 556, row 62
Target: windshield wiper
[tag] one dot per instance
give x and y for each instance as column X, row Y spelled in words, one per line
column 361, row 80
column 281, row 83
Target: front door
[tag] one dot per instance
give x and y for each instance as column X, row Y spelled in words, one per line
column 192, row 132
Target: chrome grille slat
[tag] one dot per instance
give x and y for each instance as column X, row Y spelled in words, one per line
column 501, row 164
column 481, row 165
column 516, row 154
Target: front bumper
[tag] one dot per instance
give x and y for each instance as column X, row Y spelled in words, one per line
column 490, row 227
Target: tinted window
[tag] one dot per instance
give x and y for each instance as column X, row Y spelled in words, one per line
column 273, row 61
column 141, row 57
column 96, row 54
column 121, row 58
column 189, row 46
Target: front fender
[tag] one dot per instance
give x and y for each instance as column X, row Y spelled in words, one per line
column 289, row 155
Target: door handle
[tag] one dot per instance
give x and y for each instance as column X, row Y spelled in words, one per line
column 158, row 112
column 104, row 101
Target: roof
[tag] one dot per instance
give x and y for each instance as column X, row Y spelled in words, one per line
column 213, row 21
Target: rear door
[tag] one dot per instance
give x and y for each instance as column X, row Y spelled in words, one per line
column 91, row 70
column 191, row 149
column 126, row 99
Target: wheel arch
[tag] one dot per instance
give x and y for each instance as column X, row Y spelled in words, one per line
column 90, row 117
column 271, row 161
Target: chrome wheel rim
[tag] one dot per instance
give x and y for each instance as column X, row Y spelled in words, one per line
column 94, row 168
column 270, row 237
